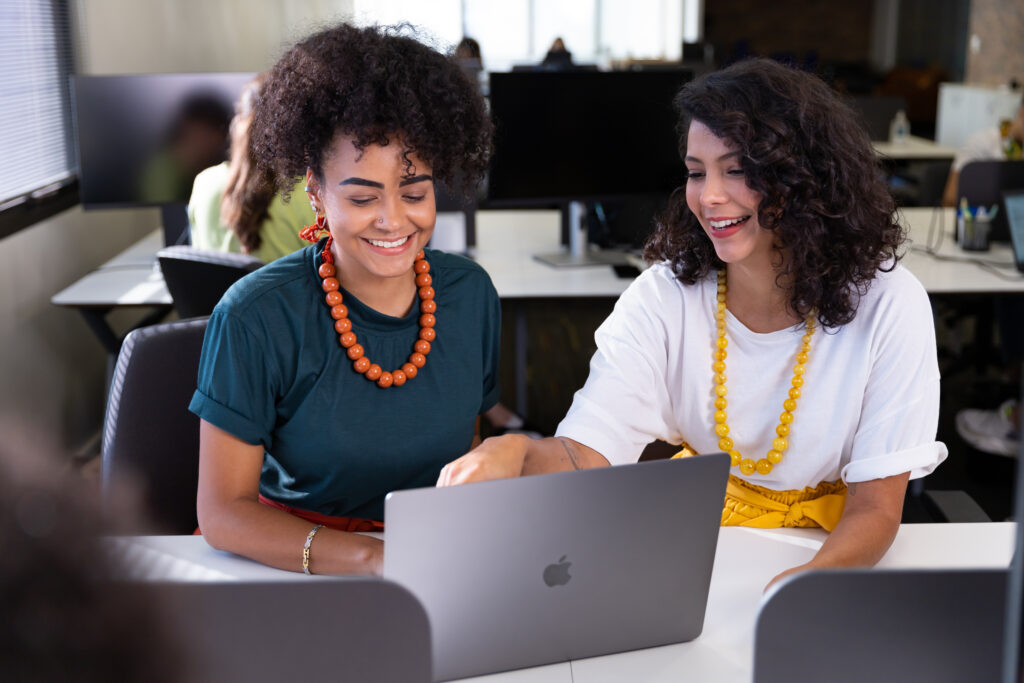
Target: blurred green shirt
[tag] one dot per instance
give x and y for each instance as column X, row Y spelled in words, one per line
column 279, row 232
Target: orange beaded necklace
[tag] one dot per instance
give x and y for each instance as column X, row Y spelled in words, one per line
column 343, row 326
column 780, row 443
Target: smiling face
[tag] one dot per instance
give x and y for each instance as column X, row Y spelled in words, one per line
column 718, row 195
column 380, row 211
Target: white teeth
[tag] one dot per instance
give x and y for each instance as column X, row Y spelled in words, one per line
column 718, row 225
column 386, row 245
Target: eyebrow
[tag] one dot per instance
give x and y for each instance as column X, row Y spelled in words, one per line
column 373, row 183
column 362, row 181
column 415, row 179
column 721, row 158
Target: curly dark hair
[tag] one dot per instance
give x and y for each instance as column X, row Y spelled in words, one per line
column 823, row 194
column 370, row 83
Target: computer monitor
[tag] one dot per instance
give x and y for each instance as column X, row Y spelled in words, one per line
column 143, row 138
column 589, row 137
column 1013, row 203
column 1013, row 638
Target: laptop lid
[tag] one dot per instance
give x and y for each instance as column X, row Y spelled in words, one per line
column 542, row 569
column 343, row 629
column 1013, row 202
column 883, row 626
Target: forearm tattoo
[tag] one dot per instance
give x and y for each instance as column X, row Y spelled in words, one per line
column 571, row 452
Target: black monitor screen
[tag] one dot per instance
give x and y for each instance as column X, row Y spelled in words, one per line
column 143, row 138
column 584, row 135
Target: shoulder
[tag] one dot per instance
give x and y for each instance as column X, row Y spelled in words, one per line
column 456, row 270
column 211, row 179
column 896, row 302
column 658, row 285
column 897, row 287
column 284, row 285
column 984, row 145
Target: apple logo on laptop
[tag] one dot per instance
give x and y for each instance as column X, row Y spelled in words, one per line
column 557, row 574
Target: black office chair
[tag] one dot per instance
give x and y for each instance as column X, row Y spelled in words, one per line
column 150, row 439
column 983, row 183
column 198, row 278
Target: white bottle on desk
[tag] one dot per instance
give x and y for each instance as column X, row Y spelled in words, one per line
column 899, row 129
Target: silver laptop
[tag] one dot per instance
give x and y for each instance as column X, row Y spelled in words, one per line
column 344, row 629
column 883, row 626
column 543, row 569
column 1014, row 203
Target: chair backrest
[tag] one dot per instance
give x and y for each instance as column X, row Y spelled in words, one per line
column 333, row 629
column 883, row 626
column 150, row 439
column 198, row 278
column 983, row 183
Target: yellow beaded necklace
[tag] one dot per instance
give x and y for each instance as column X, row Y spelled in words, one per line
column 780, row 443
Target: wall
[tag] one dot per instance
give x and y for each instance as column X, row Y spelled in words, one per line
column 835, row 31
column 52, row 368
column 995, row 51
column 159, row 36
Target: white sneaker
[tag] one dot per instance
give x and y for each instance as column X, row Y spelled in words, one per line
column 990, row 430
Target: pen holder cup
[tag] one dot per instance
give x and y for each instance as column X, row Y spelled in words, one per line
column 973, row 234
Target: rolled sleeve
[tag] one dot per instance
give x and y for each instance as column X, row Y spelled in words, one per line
column 918, row 460
column 235, row 388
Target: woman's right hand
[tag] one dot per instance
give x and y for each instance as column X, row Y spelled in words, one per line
column 499, row 457
column 514, row 455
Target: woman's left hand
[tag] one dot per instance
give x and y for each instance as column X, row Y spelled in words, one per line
column 789, row 572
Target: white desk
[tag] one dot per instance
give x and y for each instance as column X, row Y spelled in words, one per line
column 131, row 279
column 507, row 241
column 723, row 653
column 914, row 149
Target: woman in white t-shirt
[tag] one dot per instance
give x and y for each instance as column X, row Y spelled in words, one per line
column 775, row 325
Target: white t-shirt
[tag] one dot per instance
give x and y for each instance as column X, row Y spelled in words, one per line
column 869, row 406
column 985, row 145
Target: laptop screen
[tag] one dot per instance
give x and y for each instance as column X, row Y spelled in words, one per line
column 1014, row 203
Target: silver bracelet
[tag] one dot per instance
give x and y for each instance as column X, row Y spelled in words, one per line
column 305, row 548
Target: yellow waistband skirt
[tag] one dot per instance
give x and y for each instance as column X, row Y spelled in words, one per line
column 750, row 505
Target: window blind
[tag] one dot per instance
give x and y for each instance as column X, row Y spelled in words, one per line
column 36, row 141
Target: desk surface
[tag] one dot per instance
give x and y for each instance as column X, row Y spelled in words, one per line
column 723, row 653
column 914, row 149
column 132, row 278
column 507, row 241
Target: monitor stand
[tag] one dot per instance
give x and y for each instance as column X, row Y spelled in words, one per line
column 578, row 254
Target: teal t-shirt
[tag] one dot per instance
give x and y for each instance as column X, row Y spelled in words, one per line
column 273, row 373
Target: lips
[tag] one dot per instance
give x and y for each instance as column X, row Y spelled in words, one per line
column 389, row 247
column 726, row 226
column 384, row 244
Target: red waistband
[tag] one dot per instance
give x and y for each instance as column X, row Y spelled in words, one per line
column 338, row 523
column 352, row 524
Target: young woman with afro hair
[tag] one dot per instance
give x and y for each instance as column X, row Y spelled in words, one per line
column 775, row 324
column 360, row 364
